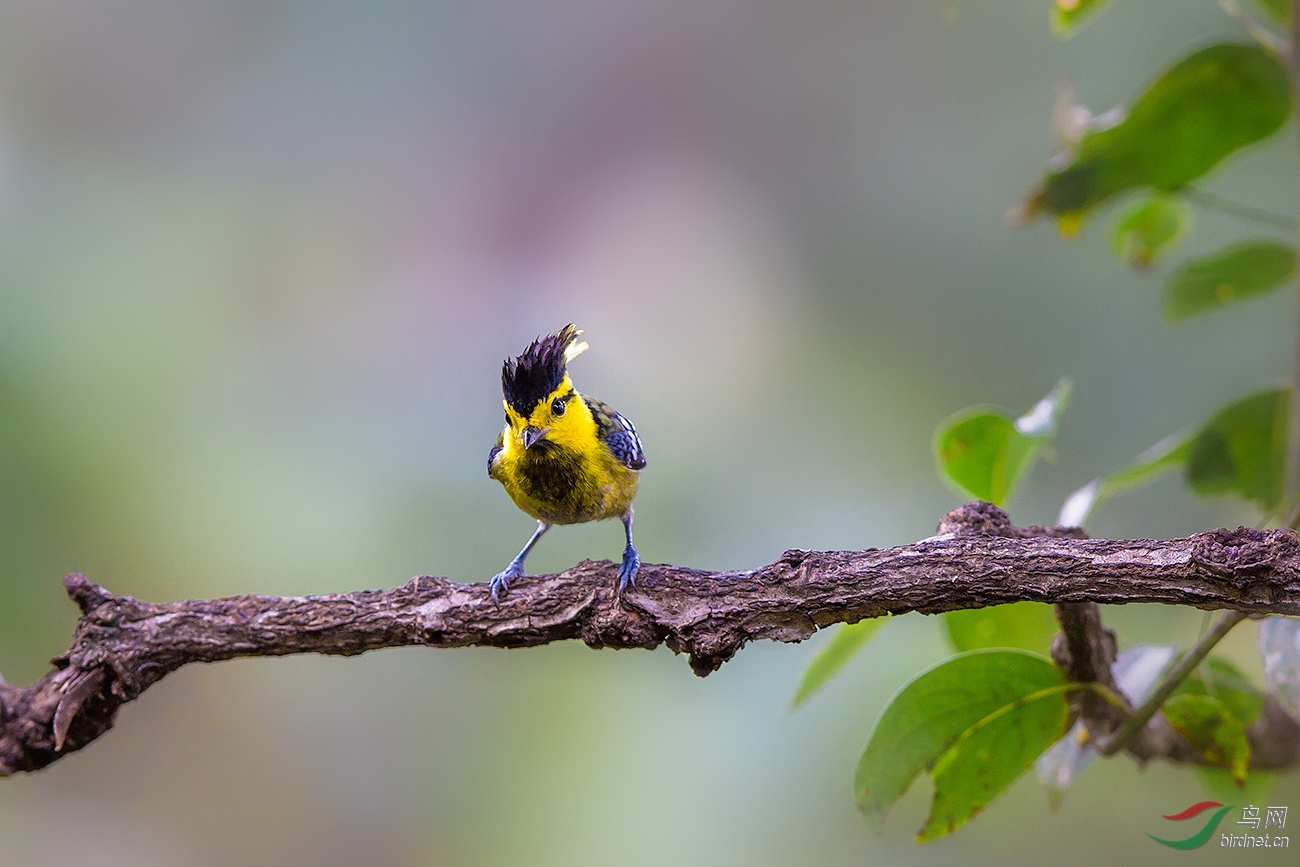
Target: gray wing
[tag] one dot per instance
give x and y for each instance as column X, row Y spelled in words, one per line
column 618, row 434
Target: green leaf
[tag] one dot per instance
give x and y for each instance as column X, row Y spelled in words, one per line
column 1067, row 15
column 1237, row 273
column 1219, row 678
column 989, row 757
column 848, row 640
column 1170, row 452
column 1148, row 227
column 985, row 453
column 1242, row 449
column 1220, row 785
column 1026, row 625
column 995, row 710
column 1193, row 116
column 1208, row 725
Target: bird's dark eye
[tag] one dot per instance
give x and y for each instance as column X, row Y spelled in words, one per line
column 557, row 406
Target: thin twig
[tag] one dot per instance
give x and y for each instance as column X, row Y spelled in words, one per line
column 1262, row 34
column 1237, row 209
column 1135, row 721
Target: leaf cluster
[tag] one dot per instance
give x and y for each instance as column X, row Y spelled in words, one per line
column 976, row 721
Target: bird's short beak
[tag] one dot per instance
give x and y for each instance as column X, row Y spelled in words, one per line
column 532, row 435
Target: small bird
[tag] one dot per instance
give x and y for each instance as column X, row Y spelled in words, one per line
column 562, row 457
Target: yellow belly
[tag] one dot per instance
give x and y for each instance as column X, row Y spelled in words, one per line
column 559, row 486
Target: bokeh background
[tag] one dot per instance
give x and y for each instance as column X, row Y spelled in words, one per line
column 259, row 265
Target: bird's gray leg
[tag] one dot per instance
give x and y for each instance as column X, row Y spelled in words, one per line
column 631, row 560
column 501, row 581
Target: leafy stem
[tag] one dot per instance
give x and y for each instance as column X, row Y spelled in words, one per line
column 1237, row 209
column 1135, row 721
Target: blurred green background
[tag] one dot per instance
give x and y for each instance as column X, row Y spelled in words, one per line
column 259, row 265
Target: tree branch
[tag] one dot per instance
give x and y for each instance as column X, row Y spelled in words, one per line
column 122, row 646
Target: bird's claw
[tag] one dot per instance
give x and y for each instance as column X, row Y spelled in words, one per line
column 501, row 581
column 627, row 572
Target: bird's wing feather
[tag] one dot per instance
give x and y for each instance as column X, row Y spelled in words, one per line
column 496, row 450
column 618, row 434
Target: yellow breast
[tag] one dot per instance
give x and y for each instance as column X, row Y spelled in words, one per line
column 560, row 485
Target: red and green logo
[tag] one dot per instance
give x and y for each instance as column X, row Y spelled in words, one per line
column 1201, row 837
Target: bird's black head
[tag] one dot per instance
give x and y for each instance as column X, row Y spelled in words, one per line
column 529, row 379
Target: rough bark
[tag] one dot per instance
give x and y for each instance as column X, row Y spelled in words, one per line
column 122, row 646
column 1085, row 650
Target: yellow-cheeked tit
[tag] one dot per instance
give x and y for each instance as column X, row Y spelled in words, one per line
column 562, row 457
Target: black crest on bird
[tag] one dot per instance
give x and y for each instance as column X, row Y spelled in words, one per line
column 529, row 379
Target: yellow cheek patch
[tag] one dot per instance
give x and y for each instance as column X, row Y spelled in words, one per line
column 575, row 428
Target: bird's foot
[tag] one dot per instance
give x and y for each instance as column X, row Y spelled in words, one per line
column 627, row 572
column 501, row 581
